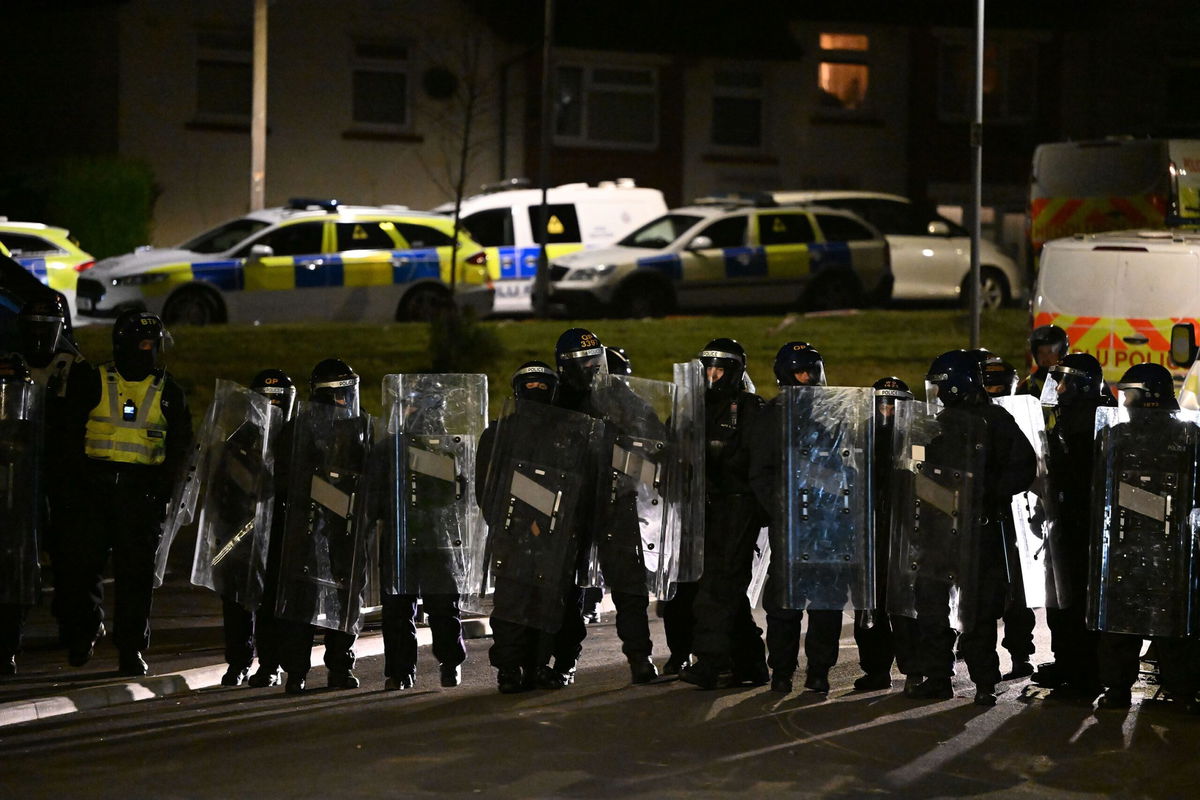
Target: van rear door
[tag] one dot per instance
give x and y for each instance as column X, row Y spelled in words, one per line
column 1154, row 289
column 1074, row 292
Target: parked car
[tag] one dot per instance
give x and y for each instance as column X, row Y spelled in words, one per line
column 931, row 256
column 48, row 253
column 309, row 260
column 728, row 256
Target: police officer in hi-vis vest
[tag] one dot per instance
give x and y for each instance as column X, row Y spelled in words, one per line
column 136, row 441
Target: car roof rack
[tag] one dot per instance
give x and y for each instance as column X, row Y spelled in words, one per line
column 303, row 203
column 756, row 199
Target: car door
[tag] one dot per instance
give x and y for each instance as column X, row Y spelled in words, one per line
column 295, row 282
column 722, row 273
column 784, row 238
column 369, row 250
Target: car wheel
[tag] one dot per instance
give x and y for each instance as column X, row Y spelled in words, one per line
column 644, row 299
column 192, row 307
column 993, row 289
column 423, row 304
column 831, row 292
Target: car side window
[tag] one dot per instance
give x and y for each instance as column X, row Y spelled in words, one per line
column 562, row 223
column 299, row 239
column 784, row 229
column 423, row 236
column 491, row 228
column 728, row 232
column 20, row 244
column 837, row 228
column 364, row 236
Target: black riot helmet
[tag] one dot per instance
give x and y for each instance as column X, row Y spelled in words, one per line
column 580, row 358
column 138, row 341
column 334, row 383
column 279, row 389
column 888, row 391
column 534, row 380
column 1077, row 377
column 955, row 378
column 16, row 388
column 999, row 377
column 1051, row 337
column 727, row 355
column 617, row 361
column 43, row 323
column 799, row 357
column 1148, row 386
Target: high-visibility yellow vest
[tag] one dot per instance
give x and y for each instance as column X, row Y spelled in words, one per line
column 128, row 424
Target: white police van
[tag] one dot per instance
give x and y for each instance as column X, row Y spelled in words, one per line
column 505, row 218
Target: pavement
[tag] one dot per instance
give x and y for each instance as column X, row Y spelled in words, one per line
column 186, row 653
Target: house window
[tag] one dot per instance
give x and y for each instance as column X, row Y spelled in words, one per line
column 380, row 86
column 223, row 76
column 737, row 119
column 1009, row 81
column 607, row 106
column 843, row 74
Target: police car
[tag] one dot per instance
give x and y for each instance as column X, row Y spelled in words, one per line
column 728, row 255
column 50, row 254
column 309, row 260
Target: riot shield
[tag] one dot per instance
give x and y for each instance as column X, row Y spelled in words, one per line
column 323, row 560
column 542, row 463
column 759, row 568
column 687, row 438
column 236, row 495
column 936, row 492
column 1031, row 550
column 431, row 523
column 181, row 508
column 825, row 550
column 1143, row 577
column 636, row 535
column 21, row 419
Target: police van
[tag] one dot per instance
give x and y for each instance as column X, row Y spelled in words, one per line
column 506, row 217
column 1120, row 294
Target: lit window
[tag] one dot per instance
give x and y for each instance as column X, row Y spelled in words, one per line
column 737, row 119
column 223, row 76
column 843, row 74
column 608, row 106
column 380, row 86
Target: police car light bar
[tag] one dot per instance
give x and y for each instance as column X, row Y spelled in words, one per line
column 302, row 203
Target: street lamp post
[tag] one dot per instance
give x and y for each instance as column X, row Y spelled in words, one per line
column 977, row 174
column 258, row 110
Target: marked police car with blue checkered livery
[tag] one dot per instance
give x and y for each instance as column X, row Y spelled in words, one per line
column 723, row 255
column 309, row 260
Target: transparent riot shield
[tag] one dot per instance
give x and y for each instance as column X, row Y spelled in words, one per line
column 21, row 419
column 1143, row 577
column 323, row 560
column 759, row 568
column 431, row 524
column 936, row 492
column 236, row 495
column 1033, row 546
column 181, row 508
column 540, row 465
column 636, row 535
column 687, row 437
column 826, row 548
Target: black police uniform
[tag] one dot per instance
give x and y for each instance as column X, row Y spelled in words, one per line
column 21, row 503
column 125, row 500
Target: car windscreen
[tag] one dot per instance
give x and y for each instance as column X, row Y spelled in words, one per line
column 224, row 237
column 658, row 233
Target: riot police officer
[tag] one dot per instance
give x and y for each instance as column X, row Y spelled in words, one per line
column 138, row 432
column 20, row 502
column 322, row 571
column 250, row 631
column 796, row 364
column 1009, row 466
column 882, row 638
column 726, row 640
column 1047, row 346
column 1075, row 388
column 580, row 358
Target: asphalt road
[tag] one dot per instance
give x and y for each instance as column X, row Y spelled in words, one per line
column 600, row 738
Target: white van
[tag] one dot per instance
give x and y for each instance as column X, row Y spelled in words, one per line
column 505, row 218
column 1119, row 294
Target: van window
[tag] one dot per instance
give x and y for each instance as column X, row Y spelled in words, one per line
column 784, row 229
column 1156, row 285
column 1101, row 168
column 562, row 225
column 491, row 228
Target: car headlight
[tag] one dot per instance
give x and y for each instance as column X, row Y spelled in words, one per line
column 590, row 273
column 141, row 279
